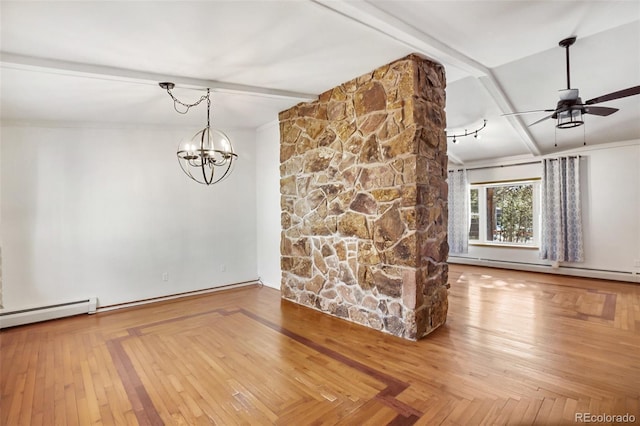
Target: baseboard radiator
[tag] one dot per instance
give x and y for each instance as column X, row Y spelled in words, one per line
column 549, row 269
column 12, row 318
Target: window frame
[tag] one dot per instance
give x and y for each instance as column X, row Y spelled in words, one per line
column 482, row 212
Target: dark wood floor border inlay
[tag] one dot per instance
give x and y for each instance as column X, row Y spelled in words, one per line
column 608, row 307
column 143, row 407
column 147, row 414
column 386, row 396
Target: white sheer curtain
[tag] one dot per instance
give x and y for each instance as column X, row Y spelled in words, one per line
column 561, row 210
column 458, row 211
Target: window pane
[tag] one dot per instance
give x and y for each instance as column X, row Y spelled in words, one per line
column 473, row 200
column 474, row 229
column 510, row 214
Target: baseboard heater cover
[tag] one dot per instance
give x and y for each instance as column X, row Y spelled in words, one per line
column 548, row 269
column 44, row 313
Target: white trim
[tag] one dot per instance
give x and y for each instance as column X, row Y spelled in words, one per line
column 54, row 66
column 97, row 125
column 377, row 20
column 598, row 147
column 456, row 160
column 55, row 124
column 494, row 89
column 507, row 161
column 504, row 161
column 178, row 296
column 631, row 277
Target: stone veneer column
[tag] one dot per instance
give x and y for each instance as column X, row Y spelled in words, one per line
column 364, row 200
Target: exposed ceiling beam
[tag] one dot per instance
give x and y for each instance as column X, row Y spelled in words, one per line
column 454, row 159
column 370, row 16
column 500, row 98
column 11, row 60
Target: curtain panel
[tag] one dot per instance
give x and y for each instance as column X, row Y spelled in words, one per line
column 458, row 212
column 561, row 238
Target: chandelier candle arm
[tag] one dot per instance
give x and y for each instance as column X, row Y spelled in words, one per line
column 208, row 156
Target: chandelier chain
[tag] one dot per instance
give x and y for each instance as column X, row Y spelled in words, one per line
column 208, row 108
column 177, row 102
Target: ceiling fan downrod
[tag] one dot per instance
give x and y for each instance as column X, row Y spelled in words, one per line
column 566, row 43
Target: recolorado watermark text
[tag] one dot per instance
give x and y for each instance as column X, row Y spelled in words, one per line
column 604, row 418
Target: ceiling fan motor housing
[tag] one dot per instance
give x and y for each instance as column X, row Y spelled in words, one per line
column 568, row 94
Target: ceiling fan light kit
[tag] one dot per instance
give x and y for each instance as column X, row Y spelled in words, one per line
column 569, row 119
column 208, row 156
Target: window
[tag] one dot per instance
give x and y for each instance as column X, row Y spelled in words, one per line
column 505, row 213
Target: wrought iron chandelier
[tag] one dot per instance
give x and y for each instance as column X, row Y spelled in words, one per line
column 208, row 156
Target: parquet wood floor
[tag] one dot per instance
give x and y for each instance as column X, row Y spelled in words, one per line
column 518, row 348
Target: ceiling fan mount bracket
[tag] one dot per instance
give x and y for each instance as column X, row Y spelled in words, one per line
column 567, row 42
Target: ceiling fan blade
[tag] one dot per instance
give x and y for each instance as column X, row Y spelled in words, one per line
column 631, row 91
column 542, row 119
column 527, row 112
column 602, row 111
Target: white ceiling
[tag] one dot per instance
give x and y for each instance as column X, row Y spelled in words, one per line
column 99, row 62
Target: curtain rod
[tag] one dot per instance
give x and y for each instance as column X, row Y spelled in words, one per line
column 510, row 165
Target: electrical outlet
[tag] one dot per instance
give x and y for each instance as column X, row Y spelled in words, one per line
column 223, row 267
column 637, row 263
column 165, row 276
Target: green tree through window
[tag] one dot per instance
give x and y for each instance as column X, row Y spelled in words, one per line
column 504, row 212
column 510, row 213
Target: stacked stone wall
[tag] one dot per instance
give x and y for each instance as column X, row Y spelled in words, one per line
column 364, row 200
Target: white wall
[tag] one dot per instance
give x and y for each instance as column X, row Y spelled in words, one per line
column 106, row 211
column 268, row 203
column 610, row 181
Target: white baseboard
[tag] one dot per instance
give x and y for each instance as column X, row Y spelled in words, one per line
column 177, row 296
column 560, row 270
column 12, row 318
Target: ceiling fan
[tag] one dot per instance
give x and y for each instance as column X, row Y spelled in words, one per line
column 570, row 107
